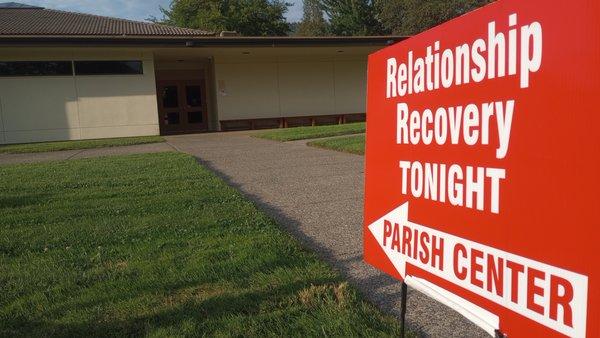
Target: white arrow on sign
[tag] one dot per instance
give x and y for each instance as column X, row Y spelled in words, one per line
column 445, row 245
column 486, row 320
column 398, row 215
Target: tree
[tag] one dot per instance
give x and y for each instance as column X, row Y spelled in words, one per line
column 409, row 17
column 352, row 17
column 313, row 23
column 247, row 17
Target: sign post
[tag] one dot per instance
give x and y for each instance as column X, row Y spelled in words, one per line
column 483, row 166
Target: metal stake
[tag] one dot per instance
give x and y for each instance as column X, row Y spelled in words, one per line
column 403, row 308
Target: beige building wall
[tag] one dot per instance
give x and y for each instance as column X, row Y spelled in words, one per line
column 35, row 109
column 242, row 83
column 350, row 86
column 247, row 90
column 295, row 82
column 307, row 88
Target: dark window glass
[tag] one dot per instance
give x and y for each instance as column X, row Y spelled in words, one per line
column 172, row 118
column 193, row 96
column 194, row 117
column 169, row 97
column 108, row 67
column 36, row 68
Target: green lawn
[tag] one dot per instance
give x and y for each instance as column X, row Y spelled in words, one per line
column 351, row 144
column 302, row 133
column 72, row 145
column 156, row 245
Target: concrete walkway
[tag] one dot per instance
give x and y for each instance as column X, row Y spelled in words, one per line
column 84, row 153
column 317, row 195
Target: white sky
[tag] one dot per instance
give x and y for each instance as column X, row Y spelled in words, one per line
column 129, row 9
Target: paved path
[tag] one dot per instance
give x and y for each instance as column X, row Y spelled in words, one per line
column 317, row 195
column 84, row 153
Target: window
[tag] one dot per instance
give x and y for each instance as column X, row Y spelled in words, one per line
column 193, row 95
column 36, row 68
column 195, row 117
column 172, row 118
column 170, row 97
column 108, row 68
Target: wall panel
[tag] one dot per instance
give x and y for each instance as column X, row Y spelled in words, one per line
column 247, row 90
column 289, row 87
column 113, row 100
column 350, row 87
column 306, row 88
column 41, row 108
column 47, row 104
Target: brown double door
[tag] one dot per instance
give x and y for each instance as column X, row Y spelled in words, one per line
column 182, row 107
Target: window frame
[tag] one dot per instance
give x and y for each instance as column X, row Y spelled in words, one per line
column 77, row 73
column 62, row 75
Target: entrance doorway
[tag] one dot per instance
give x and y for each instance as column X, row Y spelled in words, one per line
column 182, row 107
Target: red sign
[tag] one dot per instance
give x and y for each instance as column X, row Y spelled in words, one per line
column 483, row 165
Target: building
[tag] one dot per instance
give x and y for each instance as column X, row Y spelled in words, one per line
column 69, row 76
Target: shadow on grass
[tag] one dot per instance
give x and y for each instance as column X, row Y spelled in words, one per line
column 7, row 202
column 378, row 288
column 214, row 311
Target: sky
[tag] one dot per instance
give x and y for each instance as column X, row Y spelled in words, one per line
column 130, row 9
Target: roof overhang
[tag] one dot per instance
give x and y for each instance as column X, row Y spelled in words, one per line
column 195, row 42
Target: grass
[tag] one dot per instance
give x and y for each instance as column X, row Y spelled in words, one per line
column 156, row 245
column 352, row 144
column 302, row 133
column 73, row 145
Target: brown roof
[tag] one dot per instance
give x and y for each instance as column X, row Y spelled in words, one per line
column 36, row 21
